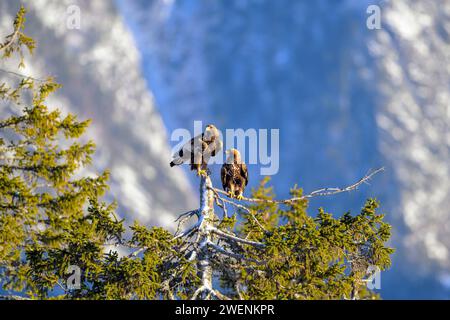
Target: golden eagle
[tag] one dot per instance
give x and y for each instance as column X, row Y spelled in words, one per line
column 199, row 149
column 234, row 174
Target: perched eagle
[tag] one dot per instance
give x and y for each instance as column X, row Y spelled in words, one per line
column 234, row 174
column 199, row 149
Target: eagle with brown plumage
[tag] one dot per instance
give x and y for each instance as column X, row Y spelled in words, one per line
column 199, row 150
column 234, row 174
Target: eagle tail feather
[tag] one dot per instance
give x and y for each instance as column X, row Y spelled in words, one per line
column 176, row 162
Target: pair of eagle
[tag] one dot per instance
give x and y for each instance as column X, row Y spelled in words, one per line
column 200, row 149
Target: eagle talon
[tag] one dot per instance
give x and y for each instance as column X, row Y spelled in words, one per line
column 230, row 194
column 203, row 173
column 240, row 197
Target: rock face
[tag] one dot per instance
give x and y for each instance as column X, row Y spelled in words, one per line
column 345, row 98
column 99, row 67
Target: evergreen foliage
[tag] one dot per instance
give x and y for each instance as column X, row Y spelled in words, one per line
column 53, row 217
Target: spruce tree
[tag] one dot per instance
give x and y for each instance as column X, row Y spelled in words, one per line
column 53, row 222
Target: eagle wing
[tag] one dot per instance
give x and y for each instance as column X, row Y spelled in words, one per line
column 213, row 148
column 197, row 151
column 244, row 173
column 189, row 151
column 224, row 176
column 217, row 146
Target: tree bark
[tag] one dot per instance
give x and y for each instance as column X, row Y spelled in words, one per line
column 205, row 236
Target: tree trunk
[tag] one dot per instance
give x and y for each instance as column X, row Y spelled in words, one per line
column 205, row 236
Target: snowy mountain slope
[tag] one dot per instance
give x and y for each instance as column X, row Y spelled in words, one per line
column 345, row 98
column 412, row 55
column 99, row 67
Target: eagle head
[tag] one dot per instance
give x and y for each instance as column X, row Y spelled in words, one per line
column 233, row 156
column 211, row 133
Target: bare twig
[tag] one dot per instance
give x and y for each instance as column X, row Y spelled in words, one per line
column 182, row 218
column 19, row 75
column 249, row 212
column 136, row 252
column 188, row 214
column 316, row 193
column 221, row 204
column 13, row 297
column 61, row 286
column 238, row 290
column 166, row 287
column 219, row 295
column 223, row 234
column 245, row 209
column 209, row 292
column 191, row 230
column 13, row 37
column 198, row 291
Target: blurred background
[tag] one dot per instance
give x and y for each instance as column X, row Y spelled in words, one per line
column 345, row 98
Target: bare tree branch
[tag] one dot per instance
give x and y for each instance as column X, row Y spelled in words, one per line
column 316, row 193
column 191, row 230
column 12, row 38
column 13, row 297
column 205, row 249
column 237, row 287
column 197, row 292
column 136, row 252
column 245, row 209
column 182, row 218
column 209, row 292
column 219, row 295
column 221, row 204
column 19, row 75
column 186, row 214
column 223, row 234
